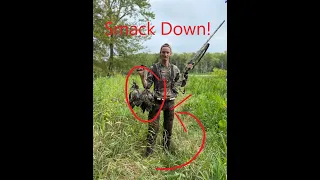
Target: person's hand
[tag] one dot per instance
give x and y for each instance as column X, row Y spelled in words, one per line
column 190, row 66
column 140, row 71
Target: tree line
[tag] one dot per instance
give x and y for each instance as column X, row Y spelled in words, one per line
column 119, row 53
column 123, row 64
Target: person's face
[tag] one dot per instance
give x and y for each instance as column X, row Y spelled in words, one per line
column 165, row 53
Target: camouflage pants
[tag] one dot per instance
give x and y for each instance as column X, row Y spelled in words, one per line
column 153, row 129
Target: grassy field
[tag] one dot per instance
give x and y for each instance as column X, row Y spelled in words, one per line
column 120, row 139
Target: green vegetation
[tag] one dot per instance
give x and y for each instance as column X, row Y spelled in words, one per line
column 120, row 139
column 119, row 53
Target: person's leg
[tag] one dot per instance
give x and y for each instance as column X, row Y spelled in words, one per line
column 152, row 130
column 168, row 117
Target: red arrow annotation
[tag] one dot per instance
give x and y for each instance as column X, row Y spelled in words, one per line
column 184, row 128
column 181, row 102
column 197, row 154
column 176, row 114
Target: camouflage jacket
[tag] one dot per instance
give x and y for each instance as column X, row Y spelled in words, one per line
column 172, row 76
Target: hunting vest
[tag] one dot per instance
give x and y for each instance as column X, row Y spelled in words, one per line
column 167, row 73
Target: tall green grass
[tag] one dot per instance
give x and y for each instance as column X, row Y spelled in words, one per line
column 120, row 139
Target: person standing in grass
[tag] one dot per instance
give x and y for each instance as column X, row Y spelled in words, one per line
column 171, row 73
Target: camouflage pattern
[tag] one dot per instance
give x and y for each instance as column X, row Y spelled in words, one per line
column 151, row 102
column 171, row 87
column 164, row 73
column 154, row 125
column 145, row 99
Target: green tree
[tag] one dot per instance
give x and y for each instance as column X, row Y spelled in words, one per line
column 119, row 13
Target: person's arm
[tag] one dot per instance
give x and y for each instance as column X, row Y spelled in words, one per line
column 181, row 79
column 142, row 76
column 177, row 81
column 146, row 78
